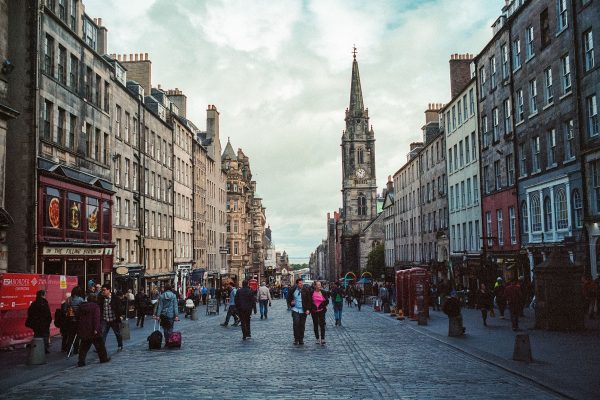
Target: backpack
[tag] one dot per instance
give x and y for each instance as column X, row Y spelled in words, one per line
column 155, row 340
column 69, row 312
column 59, row 318
column 338, row 298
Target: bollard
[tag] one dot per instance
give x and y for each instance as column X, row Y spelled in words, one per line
column 37, row 352
column 455, row 326
column 422, row 318
column 125, row 331
column 522, row 350
column 194, row 314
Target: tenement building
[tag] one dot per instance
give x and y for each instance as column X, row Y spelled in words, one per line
column 59, row 148
column 359, row 184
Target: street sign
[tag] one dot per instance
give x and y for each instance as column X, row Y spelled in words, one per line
column 63, row 281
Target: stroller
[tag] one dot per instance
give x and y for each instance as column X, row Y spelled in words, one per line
column 189, row 306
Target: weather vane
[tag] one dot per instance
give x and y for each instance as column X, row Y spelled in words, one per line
column 354, row 51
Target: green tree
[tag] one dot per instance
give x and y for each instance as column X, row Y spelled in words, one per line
column 376, row 261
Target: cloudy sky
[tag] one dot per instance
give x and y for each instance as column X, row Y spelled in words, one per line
column 279, row 73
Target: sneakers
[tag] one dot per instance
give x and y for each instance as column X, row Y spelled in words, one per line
column 224, row 324
column 322, row 342
column 296, row 343
column 318, row 341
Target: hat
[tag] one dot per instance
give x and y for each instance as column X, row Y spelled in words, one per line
column 499, row 278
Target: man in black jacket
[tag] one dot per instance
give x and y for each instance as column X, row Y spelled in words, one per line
column 244, row 304
column 39, row 318
column 299, row 301
column 110, row 312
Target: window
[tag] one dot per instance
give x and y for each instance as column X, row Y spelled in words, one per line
column 525, row 217
column 62, row 65
column 107, row 97
column 484, row 128
column 551, row 141
column 507, row 117
column 562, row 15
column 492, row 72
column 118, row 121
column 73, row 15
column 592, row 120
column 98, row 91
column 465, row 112
column 126, row 178
column 61, row 126
column 570, row 140
column 97, row 144
column 536, row 214
column 473, row 147
column 88, row 84
column 547, row 214
column 512, row 227
column 467, row 151
column 455, row 157
column 488, row 227
column 461, row 154
column 90, row 33
column 453, row 118
column 48, row 119
column 516, row 54
column 533, row 96
column 520, row 112
column 126, row 213
column 548, row 95
column 134, row 176
column 74, row 73
column 362, row 204
column 360, row 155
column 510, row 170
column 500, row 227
column 62, row 11
column 486, row 177
column 459, row 108
column 71, row 136
column 49, row 55
column 482, row 82
column 471, row 102
column 596, row 185
column 462, row 194
column 495, row 123
column 475, row 190
column 535, row 154
column 451, row 198
column 562, row 216
column 504, row 55
column 577, row 209
column 118, row 170
column 588, row 49
column 545, row 28
column 565, row 67
column 469, row 200
column 497, row 175
column 117, row 208
column 529, row 45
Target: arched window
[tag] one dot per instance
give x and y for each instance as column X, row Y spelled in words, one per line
column 362, row 204
column 525, row 217
column 562, row 216
column 577, row 208
column 536, row 214
column 360, row 155
column 547, row 213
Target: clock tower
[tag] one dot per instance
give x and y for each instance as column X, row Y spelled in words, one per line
column 359, row 183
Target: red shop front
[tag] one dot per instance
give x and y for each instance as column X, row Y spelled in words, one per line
column 75, row 228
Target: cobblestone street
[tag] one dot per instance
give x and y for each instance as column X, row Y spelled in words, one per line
column 371, row 357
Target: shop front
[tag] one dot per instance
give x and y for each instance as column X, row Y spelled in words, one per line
column 74, row 226
column 130, row 276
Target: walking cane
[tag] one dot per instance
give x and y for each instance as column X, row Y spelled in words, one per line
column 72, row 344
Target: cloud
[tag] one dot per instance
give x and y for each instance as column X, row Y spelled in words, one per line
column 279, row 73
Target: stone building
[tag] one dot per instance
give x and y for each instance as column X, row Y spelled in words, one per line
column 200, row 157
column 359, row 183
column 459, row 124
column 6, row 113
column 389, row 224
column 61, row 181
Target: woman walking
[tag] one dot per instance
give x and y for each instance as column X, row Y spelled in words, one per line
column 318, row 308
column 484, row 302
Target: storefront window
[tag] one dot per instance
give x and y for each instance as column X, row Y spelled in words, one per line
column 74, row 223
column 92, row 218
column 53, row 267
column 76, row 268
column 106, row 223
column 93, row 271
column 53, row 206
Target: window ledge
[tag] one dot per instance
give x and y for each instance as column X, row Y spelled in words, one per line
column 569, row 161
column 520, row 122
column 564, row 28
column 530, row 58
column 533, row 115
column 547, row 106
column 554, row 165
column 517, row 69
column 564, row 96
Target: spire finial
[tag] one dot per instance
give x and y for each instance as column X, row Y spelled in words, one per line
column 354, row 51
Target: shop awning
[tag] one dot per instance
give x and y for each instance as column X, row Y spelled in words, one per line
column 197, row 274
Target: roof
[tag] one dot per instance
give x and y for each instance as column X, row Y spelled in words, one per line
column 228, row 152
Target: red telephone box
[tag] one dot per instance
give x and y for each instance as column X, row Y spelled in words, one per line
column 418, row 292
column 402, row 289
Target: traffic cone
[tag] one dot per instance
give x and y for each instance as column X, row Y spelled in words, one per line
column 400, row 316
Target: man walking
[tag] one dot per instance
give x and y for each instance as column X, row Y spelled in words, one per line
column 337, row 298
column 110, row 306
column 89, row 331
column 298, row 300
column 264, row 299
column 244, row 303
column 514, row 298
column 231, row 311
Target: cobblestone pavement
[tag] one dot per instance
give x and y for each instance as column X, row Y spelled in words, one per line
column 371, row 357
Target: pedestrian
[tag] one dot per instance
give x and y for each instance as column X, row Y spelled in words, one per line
column 166, row 312
column 39, row 318
column 89, row 329
column 337, row 298
column 110, row 307
column 299, row 300
column 452, row 309
column 213, row 292
column 318, row 308
column 244, row 302
column 484, row 302
column 231, row 311
column 141, row 307
column 204, row 293
column 264, row 299
column 284, row 293
column 499, row 296
column 69, row 309
column 189, row 307
column 514, row 299
column 224, row 294
column 359, row 297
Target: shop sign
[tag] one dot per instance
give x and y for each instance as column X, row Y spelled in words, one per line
column 122, row 270
column 73, row 251
column 63, row 282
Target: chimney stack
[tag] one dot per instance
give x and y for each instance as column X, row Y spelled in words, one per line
column 460, row 72
column 139, row 69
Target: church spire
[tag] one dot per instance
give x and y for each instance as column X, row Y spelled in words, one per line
column 356, row 99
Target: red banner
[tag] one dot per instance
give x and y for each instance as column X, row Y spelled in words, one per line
column 17, row 292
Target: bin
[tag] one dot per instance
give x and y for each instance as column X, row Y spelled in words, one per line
column 37, row 352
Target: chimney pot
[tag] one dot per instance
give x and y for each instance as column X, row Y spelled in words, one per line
column 136, row 56
column 100, row 21
column 146, row 56
column 130, row 57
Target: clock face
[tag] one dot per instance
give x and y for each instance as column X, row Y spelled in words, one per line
column 361, row 173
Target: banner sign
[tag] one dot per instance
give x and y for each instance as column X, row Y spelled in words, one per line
column 74, row 251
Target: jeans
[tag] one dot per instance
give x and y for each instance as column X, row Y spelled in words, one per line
column 168, row 327
column 98, row 345
column 318, row 319
column 299, row 323
column 141, row 315
column 231, row 312
column 264, row 307
column 337, row 311
column 116, row 327
column 245, row 320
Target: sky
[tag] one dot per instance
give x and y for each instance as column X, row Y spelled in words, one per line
column 279, row 73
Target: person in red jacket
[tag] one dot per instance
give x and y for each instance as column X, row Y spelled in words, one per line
column 514, row 298
column 89, row 331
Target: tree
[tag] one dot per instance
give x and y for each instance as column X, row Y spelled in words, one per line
column 376, row 261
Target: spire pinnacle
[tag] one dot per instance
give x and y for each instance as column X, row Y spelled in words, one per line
column 356, row 99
